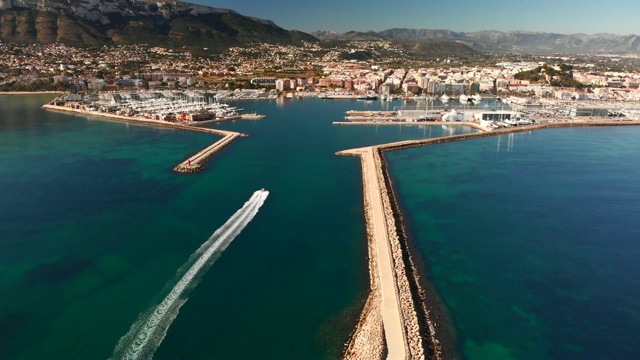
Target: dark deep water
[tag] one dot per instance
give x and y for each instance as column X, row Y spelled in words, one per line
column 93, row 224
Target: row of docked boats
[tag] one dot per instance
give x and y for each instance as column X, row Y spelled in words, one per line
column 189, row 107
column 463, row 99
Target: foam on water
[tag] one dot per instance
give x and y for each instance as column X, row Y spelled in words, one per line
column 146, row 334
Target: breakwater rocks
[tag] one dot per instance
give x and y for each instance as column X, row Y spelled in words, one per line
column 391, row 306
column 377, row 336
column 194, row 163
column 408, row 315
column 440, row 140
column 367, row 341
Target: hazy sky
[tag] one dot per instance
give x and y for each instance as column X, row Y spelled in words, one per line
column 559, row 16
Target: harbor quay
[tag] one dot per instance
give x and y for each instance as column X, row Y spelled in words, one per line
column 395, row 322
column 484, row 119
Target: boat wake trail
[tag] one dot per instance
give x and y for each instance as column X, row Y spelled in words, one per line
column 146, row 334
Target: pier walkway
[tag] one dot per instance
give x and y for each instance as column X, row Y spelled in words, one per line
column 382, row 253
column 391, row 314
column 195, row 163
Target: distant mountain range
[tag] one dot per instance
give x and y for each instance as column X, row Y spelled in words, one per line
column 173, row 23
column 154, row 22
column 498, row 41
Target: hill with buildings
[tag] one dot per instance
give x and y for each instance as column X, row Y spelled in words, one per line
column 165, row 23
column 559, row 75
column 512, row 41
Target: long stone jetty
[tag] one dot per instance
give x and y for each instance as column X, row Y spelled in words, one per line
column 196, row 162
column 395, row 323
column 391, row 293
column 554, row 125
column 192, row 164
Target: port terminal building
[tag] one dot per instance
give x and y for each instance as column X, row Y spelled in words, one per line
column 462, row 115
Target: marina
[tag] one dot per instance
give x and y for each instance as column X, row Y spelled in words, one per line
column 155, row 111
column 189, row 108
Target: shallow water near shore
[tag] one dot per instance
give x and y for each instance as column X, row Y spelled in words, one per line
column 93, row 223
column 531, row 240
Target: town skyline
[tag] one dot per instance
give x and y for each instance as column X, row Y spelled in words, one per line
column 588, row 17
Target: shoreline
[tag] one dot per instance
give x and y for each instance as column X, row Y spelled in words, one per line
column 364, row 339
column 193, row 163
column 30, row 92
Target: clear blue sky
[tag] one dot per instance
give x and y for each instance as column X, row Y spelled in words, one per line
column 559, row 16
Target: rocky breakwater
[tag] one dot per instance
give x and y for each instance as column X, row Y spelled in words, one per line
column 391, row 298
column 553, row 125
column 196, row 162
column 400, row 298
column 408, row 311
column 367, row 341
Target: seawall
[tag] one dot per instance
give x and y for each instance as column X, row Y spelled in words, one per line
column 440, row 140
column 390, row 292
column 192, row 164
column 419, row 333
column 196, row 162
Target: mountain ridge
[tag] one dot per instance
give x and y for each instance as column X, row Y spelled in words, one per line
column 166, row 23
column 501, row 41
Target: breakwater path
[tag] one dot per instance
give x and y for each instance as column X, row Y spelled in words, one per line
column 192, row 164
column 392, row 293
column 393, row 308
column 196, row 162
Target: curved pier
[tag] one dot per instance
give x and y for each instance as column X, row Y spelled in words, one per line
column 194, row 163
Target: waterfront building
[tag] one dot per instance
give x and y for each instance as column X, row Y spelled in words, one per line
column 454, row 89
column 588, row 111
column 283, row 84
column 423, row 82
column 411, row 87
column 435, row 88
column 386, row 88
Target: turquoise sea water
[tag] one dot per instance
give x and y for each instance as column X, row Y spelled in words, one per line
column 93, row 224
column 531, row 240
